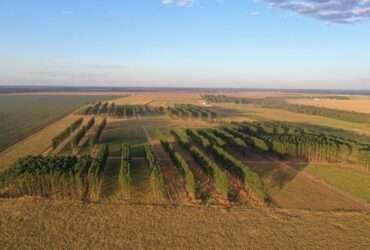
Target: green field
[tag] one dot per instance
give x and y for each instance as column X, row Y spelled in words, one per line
column 25, row 114
column 346, row 179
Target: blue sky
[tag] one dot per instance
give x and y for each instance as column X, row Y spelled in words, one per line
column 182, row 43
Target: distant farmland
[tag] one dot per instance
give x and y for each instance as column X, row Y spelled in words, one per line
column 22, row 115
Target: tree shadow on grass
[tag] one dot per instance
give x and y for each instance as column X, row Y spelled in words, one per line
column 275, row 171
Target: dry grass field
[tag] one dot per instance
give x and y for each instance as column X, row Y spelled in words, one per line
column 36, row 224
column 257, row 113
column 165, row 98
column 357, row 105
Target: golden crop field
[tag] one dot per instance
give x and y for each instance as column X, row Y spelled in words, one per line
column 33, row 223
column 255, row 113
column 357, row 105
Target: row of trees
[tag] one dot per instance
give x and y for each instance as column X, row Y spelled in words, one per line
column 96, row 171
column 249, row 139
column 126, row 111
column 183, row 168
column 214, row 172
column 55, row 176
column 220, row 139
column 192, row 111
column 81, row 133
column 240, row 170
column 208, row 166
column 226, row 99
column 156, row 177
column 302, row 143
column 130, row 111
column 66, row 133
column 98, row 132
column 124, row 178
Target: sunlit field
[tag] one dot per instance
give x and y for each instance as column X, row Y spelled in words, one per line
column 179, row 157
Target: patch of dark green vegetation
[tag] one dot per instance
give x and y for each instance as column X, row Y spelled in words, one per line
column 301, row 143
column 23, row 115
column 55, row 176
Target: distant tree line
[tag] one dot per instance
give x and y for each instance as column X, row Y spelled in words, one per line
column 226, row 99
column 134, row 111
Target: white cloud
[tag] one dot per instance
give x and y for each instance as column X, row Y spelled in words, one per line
column 333, row 11
column 180, row 3
column 166, row 2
